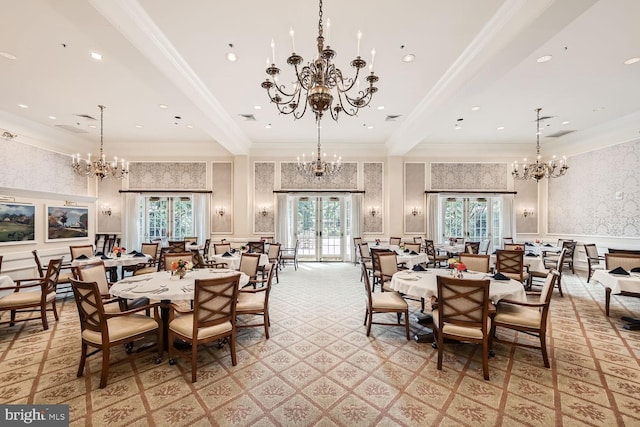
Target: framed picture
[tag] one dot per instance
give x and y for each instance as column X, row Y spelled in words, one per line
column 17, row 223
column 67, row 222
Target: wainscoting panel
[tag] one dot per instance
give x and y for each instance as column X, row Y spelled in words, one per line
column 263, row 198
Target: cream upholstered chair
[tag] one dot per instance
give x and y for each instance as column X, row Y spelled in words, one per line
column 365, row 258
column 171, row 257
column 149, row 266
column 623, row 260
column 476, row 262
column 97, row 273
column 376, row 273
column 384, row 302
column 191, row 239
column 199, row 261
column 250, row 265
column 484, row 246
column 593, row 259
column 256, row 302
column 267, row 239
column 104, row 330
column 513, row 247
column 507, row 240
column 290, row 255
column 79, row 250
column 388, row 266
column 221, row 248
column 472, row 247
column 395, row 241
column 64, row 278
column 463, row 315
column 551, row 258
column 528, row 317
column 274, row 258
column 511, row 264
column 33, row 295
column 212, row 318
column 415, row 247
column 356, row 251
column 257, row 247
column 558, row 268
column 434, row 257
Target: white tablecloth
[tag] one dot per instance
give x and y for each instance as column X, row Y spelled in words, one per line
column 411, row 260
column 383, row 246
column 455, row 249
column 113, row 261
column 423, row 284
column 173, row 288
column 617, row 283
column 233, row 262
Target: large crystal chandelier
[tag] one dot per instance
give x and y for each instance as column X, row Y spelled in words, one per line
column 539, row 169
column 320, row 83
column 100, row 167
column 319, row 168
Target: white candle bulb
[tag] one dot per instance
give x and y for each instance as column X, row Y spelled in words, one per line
column 293, row 41
column 273, row 50
column 373, row 57
column 328, row 31
column 359, row 37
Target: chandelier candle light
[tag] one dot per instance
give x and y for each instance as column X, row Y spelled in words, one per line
column 319, row 168
column 100, row 167
column 539, row 169
column 320, row 83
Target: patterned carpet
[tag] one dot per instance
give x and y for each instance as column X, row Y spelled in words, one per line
column 319, row 368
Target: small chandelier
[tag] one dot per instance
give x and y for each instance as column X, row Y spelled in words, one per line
column 100, row 167
column 316, row 81
column 539, row 170
column 319, row 168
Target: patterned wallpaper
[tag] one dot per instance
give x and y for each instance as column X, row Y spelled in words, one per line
column 526, row 198
column 414, row 187
column 168, row 175
column 373, row 196
column 263, row 185
column 468, row 176
column 222, row 186
column 605, row 185
column 27, row 167
column 346, row 179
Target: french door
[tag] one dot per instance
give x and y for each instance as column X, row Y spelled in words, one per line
column 474, row 219
column 168, row 218
column 319, row 225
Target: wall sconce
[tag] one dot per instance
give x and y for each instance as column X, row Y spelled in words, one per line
column 527, row 212
column 220, row 210
column 263, row 211
column 106, row 210
column 415, row 211
column 373, row 211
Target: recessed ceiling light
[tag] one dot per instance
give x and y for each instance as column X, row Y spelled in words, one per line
column 93, row 126
column 408, row 57
column 566, row 122
column 475, row 108
column 52, row 117
column 190, row 126
column 268, row 126
column 7, row 55
column 369, row 127
column 544, row 58
column 257, row 107
column 457, row 127
column 231, row 57
column 381, row 107
column 96, row 56
column 139, row 126
column 163, row 106
column 632, row 61
column 23, row 106
column 500, row 127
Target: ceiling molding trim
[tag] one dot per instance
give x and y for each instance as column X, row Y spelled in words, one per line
column 132, row 21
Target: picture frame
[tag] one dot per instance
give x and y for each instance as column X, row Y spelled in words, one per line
column 66, row 223
column 17, row 223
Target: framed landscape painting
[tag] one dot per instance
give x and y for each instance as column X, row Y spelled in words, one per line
column 67, row 222
column 17, row 223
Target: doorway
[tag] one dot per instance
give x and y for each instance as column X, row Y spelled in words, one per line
column 319, row 226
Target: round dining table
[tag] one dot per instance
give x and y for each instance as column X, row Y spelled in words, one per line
column 233, row 261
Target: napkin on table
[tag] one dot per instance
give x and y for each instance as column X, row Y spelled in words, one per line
column 635, row 270
column 406, row 251
column 531, row 254
column 83, row 256
column 414, row 253
column 418, row 267
column 133, row 252
column 226, row 254
column 619, row 270
column 138, row 254
column 548, row 245
column 500, row 276
column 104, row 257
column 193, row 243
column 528, row 244
column 99, row 253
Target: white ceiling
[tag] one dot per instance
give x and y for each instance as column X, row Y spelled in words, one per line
column 468, row 53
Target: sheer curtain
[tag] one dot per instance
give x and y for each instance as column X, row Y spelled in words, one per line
column 356, row 220
column 508, row 216
column 433, row 217
column 201, row 216
column 282, row 223
column 131, row 226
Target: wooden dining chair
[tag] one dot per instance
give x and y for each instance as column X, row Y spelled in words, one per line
column 472, row 247
column 593, row 259
column 255, row 302
column 64, row 277
column 511, row 264
column 625, row 261
column 434, row 258
column 476, row 262
column 249, row 264
column 221, row 248
column 172, row 257
column 212, row 318
column 412, row 247
column 395, row 241
column 176, row 246
column 79, row 250
column 257, row 247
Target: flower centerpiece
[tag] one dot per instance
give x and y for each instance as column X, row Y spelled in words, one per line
column 118, row 251
column 452, row 241
column 180, row 267
column 460, row 267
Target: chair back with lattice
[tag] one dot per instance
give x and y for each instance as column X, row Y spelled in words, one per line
column 51, row 276
column 90, row 307
column 415, row 247
column 39, row 266
column 510, row 262
column 257, row 247
column 249, row 264
column 430, row 248
column 94, row 272
column 274, row 252
column 76, row 251
column 476, row 262
column 161, row 258
column 177, row 246
column 513, row 247
column 395, row 241
column 472, row 247
column 626, row 261
column 198, row 261
column 463, row 302
column 171, row 259
column 388, row 263
column 375, row 259
column 418, row 239
column 221, row 248
column 206, row 248
column 214, row 301
column 151, row 249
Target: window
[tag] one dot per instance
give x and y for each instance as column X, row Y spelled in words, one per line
column 167, row 218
